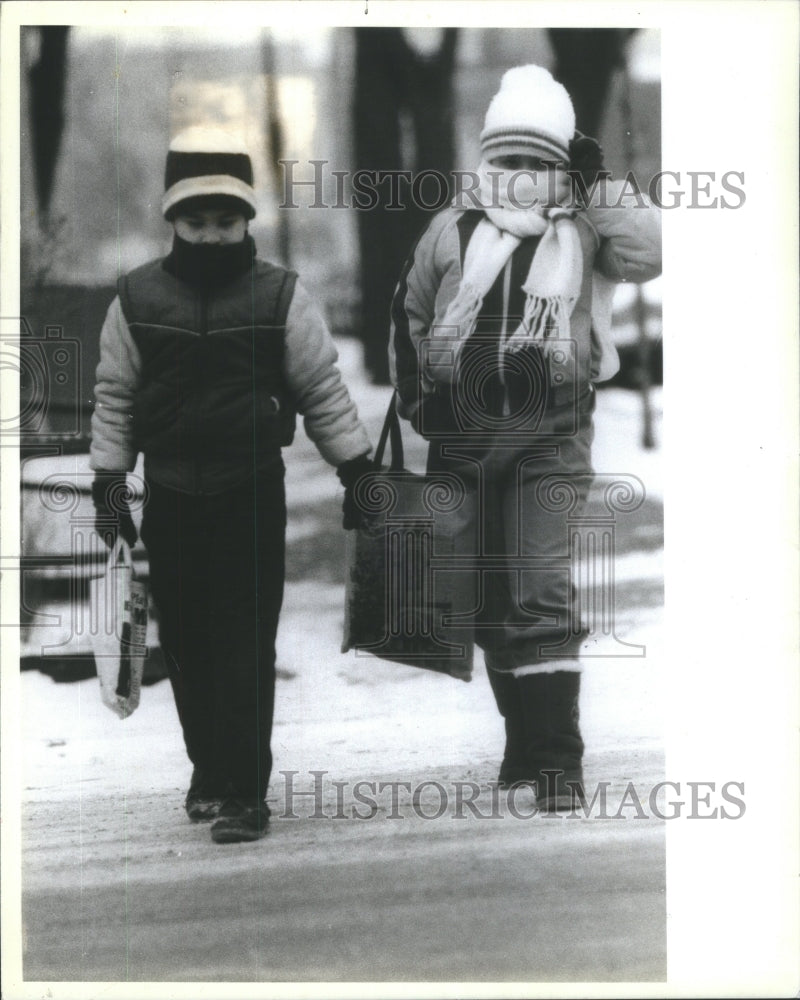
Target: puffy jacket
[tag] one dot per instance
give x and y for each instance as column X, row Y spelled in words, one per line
column 620, row 243
column 207, row 384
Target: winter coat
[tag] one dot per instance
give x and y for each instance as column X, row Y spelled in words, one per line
column 619, row 243
column 207, row 383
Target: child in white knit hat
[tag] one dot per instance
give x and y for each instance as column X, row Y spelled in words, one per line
column 206, row 358
column 500, row 327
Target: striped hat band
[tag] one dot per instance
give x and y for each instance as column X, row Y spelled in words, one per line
column 519, row 141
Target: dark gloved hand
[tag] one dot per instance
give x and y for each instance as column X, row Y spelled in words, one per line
column 349, row 473
column 111, row 496
column 586, row 158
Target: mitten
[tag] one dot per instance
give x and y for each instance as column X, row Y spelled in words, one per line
column 111, row 495
column 586, row 158
column 349, row 473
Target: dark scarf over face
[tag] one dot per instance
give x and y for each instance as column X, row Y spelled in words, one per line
column 209, row 265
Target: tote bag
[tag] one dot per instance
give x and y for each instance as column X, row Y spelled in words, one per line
column 405, row 600
column 119, row 631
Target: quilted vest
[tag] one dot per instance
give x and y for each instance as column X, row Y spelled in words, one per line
column 212, row 395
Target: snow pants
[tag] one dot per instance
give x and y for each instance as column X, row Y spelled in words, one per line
column 519, row 491
column 217, row 566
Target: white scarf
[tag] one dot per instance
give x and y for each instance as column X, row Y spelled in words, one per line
column 518, row 204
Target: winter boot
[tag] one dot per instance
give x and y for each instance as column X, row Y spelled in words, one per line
column 554, row 744
column 514, row 767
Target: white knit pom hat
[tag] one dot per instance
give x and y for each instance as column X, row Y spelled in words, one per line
column 208, row 162
column 530, row 115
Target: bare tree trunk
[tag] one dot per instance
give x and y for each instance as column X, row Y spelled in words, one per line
column 274, row 131
column 395, row 84
column 47, row 84
column 586, row 59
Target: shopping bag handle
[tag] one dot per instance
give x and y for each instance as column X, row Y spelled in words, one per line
column 391, row 432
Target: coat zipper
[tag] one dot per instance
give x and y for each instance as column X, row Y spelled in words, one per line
column 203, row 334
column 501, row 353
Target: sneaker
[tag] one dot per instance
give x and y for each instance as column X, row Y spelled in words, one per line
column 202, row 810
column 239, row 821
